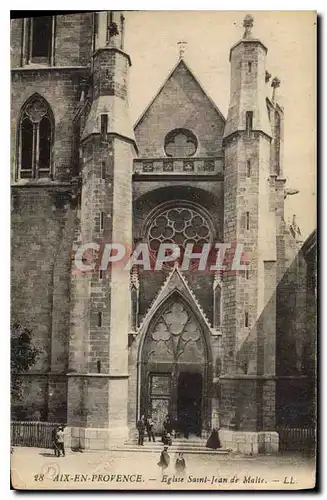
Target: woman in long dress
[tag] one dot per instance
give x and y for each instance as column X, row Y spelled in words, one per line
column 213, row 441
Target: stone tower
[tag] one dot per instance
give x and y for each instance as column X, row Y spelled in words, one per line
column 100, row 314
column 247, row 385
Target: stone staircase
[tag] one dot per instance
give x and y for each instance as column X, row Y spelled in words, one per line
column 193, row 445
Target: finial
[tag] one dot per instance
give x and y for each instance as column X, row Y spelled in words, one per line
column 181, row 48
column 275, row 84
column 248, row 25
column 176, row 264
column 113, row 29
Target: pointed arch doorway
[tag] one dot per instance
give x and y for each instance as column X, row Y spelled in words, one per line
column 175, row 369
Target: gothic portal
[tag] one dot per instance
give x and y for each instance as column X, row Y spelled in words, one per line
column 175, row 370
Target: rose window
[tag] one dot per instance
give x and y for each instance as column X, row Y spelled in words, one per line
column 180, row 225
column 180, row 143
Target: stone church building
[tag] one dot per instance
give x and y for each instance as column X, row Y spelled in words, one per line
column 210, row 346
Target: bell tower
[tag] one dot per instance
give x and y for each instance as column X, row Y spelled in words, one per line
column 247, row 383
column 100, row 300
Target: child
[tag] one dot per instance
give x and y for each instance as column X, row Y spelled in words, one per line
column 164, row 460
column 60, row 441
column 180, row 465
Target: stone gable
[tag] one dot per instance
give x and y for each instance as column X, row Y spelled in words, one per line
column 181, row 103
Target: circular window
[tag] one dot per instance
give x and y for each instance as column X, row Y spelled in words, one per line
column 180, row 143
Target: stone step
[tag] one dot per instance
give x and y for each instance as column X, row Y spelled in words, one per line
column 192, row 437
column 185, row 444
column 171, row 449
column 192, row 445
column 191, row 451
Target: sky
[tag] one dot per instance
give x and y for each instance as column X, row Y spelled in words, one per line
column 151, row 40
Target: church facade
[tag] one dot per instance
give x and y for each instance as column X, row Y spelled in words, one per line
column 209, row 346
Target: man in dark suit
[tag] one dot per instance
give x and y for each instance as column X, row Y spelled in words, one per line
column 150, row 429
column 141, row 429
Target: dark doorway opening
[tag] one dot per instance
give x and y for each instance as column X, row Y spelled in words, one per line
column 189, row 403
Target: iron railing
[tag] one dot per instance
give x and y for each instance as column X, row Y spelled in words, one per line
column 296, row 438
column 37, row 434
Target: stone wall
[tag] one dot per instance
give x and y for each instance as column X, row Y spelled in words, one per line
column 16, row 40
column 40, row 277
column 295, row 346
column 73, row 35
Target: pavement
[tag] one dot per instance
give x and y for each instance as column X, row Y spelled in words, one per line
column 39, row 469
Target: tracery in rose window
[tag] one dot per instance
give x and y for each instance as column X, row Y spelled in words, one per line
column 182, row 224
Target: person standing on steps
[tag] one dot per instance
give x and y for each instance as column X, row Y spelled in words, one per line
column 213, row 441
column 141, row 430
column 168, row 425
column 168, row 440
column 149, row 429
